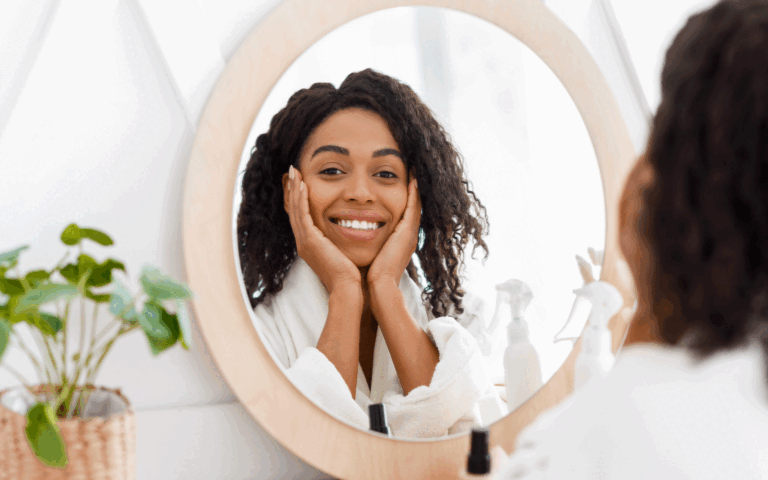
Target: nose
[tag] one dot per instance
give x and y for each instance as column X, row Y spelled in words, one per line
column 359, row 188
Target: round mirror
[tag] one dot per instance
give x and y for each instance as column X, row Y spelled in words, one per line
column 224, row 317
column 529, row 160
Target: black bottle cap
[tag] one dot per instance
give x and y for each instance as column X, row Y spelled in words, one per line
column 479, row 461
column 378, row 418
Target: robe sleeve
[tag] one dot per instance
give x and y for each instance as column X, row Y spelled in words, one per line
column 319, row 380
column 311, row 371
column 459, row 389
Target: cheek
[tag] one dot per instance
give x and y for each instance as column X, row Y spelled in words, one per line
column 397, row 200
column 316, row 208
column 320, row 198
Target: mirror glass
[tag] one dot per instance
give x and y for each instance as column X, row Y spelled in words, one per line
column 526, row 153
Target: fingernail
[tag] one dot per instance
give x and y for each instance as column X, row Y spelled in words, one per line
column 290, row 172
column 301, row 187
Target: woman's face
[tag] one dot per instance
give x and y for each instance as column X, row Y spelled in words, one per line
column 356, row 180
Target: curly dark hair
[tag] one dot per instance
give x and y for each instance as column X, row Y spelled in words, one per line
column 452, row 215
column 706, row 215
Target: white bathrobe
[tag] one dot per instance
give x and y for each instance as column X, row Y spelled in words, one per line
column 658, row 415
column 459, row 396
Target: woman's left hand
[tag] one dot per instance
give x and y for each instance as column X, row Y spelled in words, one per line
column 395, row 255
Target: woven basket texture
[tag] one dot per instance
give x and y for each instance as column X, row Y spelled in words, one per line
column 97, row 448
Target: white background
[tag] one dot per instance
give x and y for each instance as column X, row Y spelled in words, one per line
column 99, row 102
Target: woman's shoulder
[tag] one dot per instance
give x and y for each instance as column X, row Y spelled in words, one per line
column 657, row 400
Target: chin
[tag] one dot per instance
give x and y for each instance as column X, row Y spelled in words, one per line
column 361, row 259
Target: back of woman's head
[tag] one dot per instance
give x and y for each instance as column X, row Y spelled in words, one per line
column 451, row 213
column 706, row 218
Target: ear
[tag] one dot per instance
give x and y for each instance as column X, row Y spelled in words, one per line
column 285, row 191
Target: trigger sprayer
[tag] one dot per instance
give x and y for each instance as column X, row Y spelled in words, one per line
column 596, row 358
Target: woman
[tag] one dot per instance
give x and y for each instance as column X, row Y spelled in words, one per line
column 338, row 195
column 691, row 401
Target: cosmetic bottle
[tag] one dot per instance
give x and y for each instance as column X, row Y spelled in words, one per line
column 479, row 458
column 377, row 417
column 596, row 358
column 522, row 368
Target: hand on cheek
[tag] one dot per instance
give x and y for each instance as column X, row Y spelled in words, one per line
column 394, row 256
column 335, row 270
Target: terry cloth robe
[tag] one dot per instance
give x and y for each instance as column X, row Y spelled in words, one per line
column 659, row 414
column 291, row 324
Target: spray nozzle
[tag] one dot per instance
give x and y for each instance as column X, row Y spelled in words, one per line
column 517, row 294
column 605, row 298
column 605, row 301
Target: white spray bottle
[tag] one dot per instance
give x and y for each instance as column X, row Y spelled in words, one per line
column 595, row 358
column 522, row 368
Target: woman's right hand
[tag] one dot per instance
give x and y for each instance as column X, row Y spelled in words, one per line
column 336, row 271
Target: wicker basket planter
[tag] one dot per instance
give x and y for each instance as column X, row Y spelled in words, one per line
column 101, row 446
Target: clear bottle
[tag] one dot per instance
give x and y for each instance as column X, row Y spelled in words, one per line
column 596, row 359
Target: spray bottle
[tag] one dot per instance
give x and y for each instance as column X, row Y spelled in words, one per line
column 522, row 369
column 596, row 359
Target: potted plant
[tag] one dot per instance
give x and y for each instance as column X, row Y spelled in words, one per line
column 63, row 426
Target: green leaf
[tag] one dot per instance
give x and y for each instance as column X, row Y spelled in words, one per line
column 47, row 323
column 9, row 259
column 36, row 277
column 119, row 301
column 43, row 294
column 8, row 311
column 98, row 297
column 97, row 236
column 71, row 235
column 102, row 273
column 44, row 436
column 182, row 312
column 162, row 287
column 160, row 327
column 71, row 272
column 85, row 263
column 5, row 335
column 11, row 286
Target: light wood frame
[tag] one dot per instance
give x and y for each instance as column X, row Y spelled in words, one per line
column 259, row 383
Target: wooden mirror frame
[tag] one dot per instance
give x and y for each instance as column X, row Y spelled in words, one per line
column 258, row 382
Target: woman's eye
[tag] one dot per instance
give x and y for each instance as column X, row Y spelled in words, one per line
column 331, row 171
column 386, row 174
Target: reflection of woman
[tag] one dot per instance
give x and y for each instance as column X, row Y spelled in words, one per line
column 692, row 401
column 348, row 179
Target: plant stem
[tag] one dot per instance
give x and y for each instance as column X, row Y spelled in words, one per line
column 50, row 370
column 58, row 265
column 32, row 358
column 93, row 325
column 103, row 332
column 52, row 358
column 16, row 374
column 64, row 341
column 92, row 372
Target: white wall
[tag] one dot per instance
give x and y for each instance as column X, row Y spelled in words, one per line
column 98, row 106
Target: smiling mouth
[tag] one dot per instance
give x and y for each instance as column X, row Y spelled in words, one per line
column 357, row 224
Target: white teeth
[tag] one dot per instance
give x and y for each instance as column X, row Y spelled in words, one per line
column 358, row 224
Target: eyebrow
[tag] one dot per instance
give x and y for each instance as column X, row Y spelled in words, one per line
column 337, row 149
